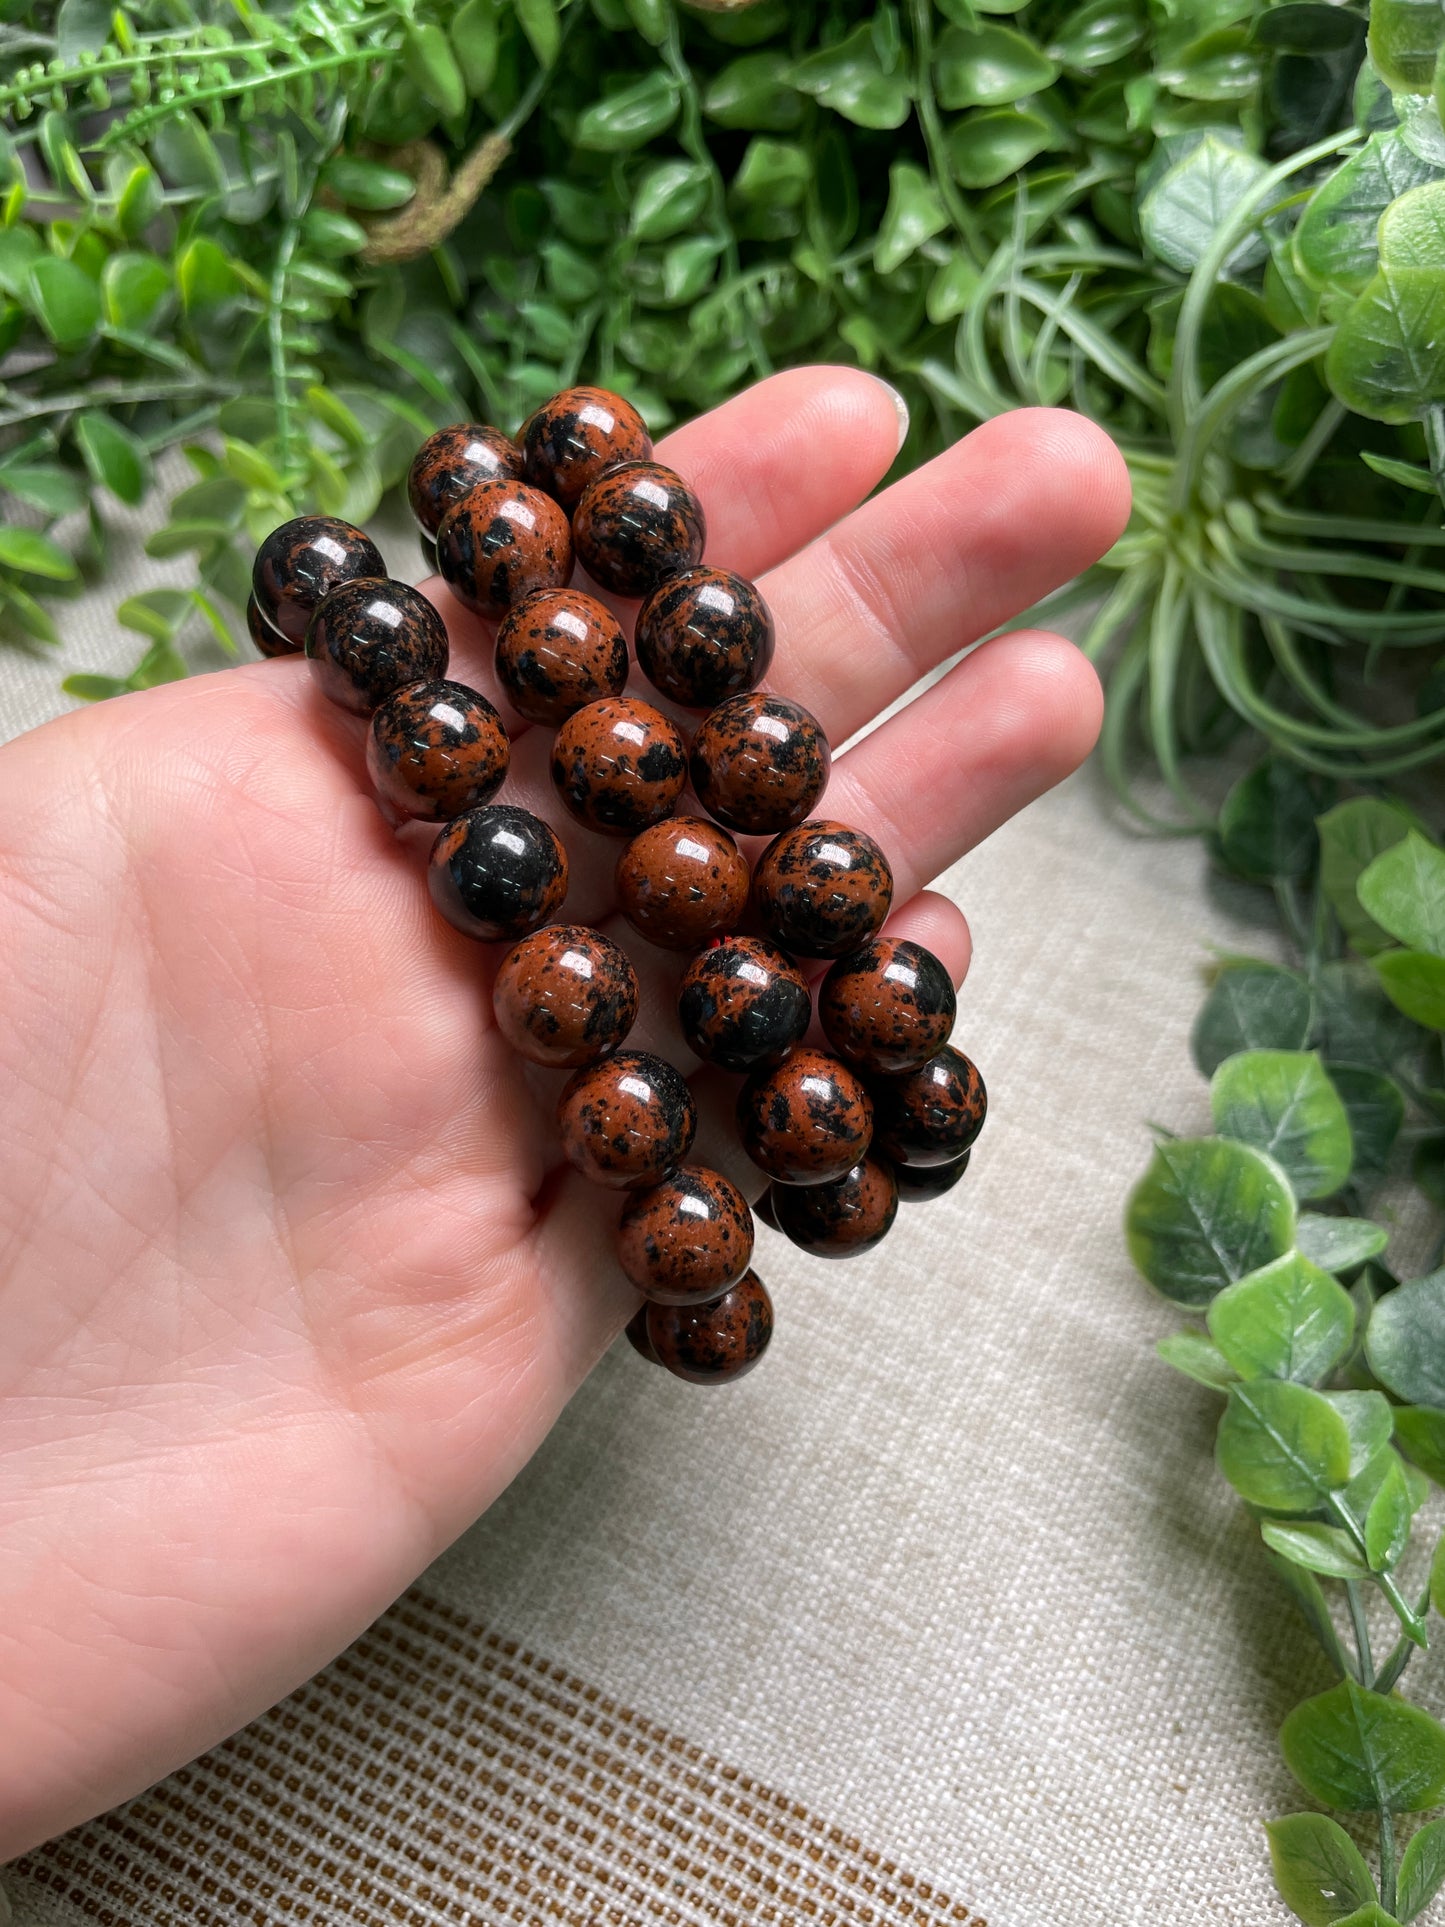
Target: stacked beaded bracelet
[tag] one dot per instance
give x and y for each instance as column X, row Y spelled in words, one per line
column 891, row 1110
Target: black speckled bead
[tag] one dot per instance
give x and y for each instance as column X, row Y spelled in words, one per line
column 627, row 1121
column 452, row 461
column 682, row 882
column 302, row 562
column 687, row 1239
column 434, row 750
column 822, row 889
column 565, row 996
column 366, row 640
column 743, row 1003
column 636, row 526
column 760, row 763
column 579, row 435
column 500, row 542
column 269, row 641
column 932, row 1115
column 807, row 1120
column 842, row 1219
column 703, row 636
column 497, row 873
column 557, row 651
column 922, row 1183
column 887, row 1006
column 716, row 1343
column 619, row 765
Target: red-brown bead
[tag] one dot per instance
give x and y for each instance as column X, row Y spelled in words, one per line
column 760, row 763
column 682, row 882
column 932, row 1115
column 579, row 435
column 619, row 765
column 565, row 996
column 822, row 889
column 627, row 1121
column 712, row 1344
column 807, row 1120
column 434, row 750
column 451, row 462
column 557, row 651
column 687, row 1239
column 501, row 542
column 843, row 1218
column 636, row 526
column 703, row 636
column 887, row 1006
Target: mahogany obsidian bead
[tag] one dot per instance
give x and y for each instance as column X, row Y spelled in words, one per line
column 932, row 1115
column 636, row 526
column 452, row 461
column 501, row 542
column 565, row 996
column 303, row 561
column 627, row 1121
column 268, row 640
column 822, row 889
column 887, row 1006
column 619, row 765
column 557, row 651
column 760, row 763
column 703, row 636
column 922, row 1183
column 687, row 1239
column 498, row 872
column 715, row 1343
column 366, row 640
column 842, row 1219
column 806, row 1120
column 682, row 882
column 434, row 750
column 743, row 1003
column 579, row 435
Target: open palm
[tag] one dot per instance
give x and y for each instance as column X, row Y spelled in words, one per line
column 293, row 1282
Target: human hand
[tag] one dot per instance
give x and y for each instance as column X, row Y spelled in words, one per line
column 294, row 1279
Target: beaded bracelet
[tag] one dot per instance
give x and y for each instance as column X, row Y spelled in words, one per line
column 842, row 1134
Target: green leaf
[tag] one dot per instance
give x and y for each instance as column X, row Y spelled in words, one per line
column 65, row 300
column 1320, row 1872
column 669, row 198
column 1096, row 36
column 134, row 288
column 334, row 413
column 775, row 173
column 754, row 93
column 41, row 485
column 1421, row 1431
column 1181, row 213
column 849, row 79
column 915, row 213
column 542, row 27
column 1251, row 1006
column 1282, row 1445
column 1405, row 1343
column 154, row 614
column 1356, row 1750
column 953, row 289
column 1267, row 823
column 1352, row 835
column 1407, row 474
column 1309, row 1595
column 1415, row 984
column 206, row 278
column 1403, row 890
column 368, row 184
column 160, row 663
column 1412, row 228
column 1282, row 1103
column 1404, row 38
column 1387, row 360
column 1336, row 241
column 34, row 554
column 1339, row 1244
column 1387, row 1523
column 1205, row 1213
column 1422, row 1870
column 1289, row 1319
column 116, row 459
column 433, row 69
column 1368, row 1421
column 1437, row 1578
column 476, row 42
column 1358, row 1025
column 93, row 689
column 986, row 147
column 631, row 117
column 989, row 66
column 1318, row 1548
column 1198, row 1358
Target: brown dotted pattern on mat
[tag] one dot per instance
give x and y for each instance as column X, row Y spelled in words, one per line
column 438, row 1774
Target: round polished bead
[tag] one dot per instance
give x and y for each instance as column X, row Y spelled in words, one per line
column 565, row 996
column 844, row 1218
column 703, row 636
column 686, row 1239
column 366, row 640
column 682, row 882
column 268, row 640
column 302, row 562
column 716, row 1343
column 760, row 763
column 627, row 1121
column 558, row 651
column 806, row 1120
column 579, row 435
column 887, row 1006
column 636, row 526
column 434, row 750
column 619, row 765
column 932, row 1115
column 822, row 889
column 501, row 542
column 452, row 461
column 743, row 1002
column 922, row 1183
column 637, row 1338
column 498, row 872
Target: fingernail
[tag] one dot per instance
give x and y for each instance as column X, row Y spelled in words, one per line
column 900, row 407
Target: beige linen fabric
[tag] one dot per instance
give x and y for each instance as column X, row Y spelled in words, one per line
column 942, row 1613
